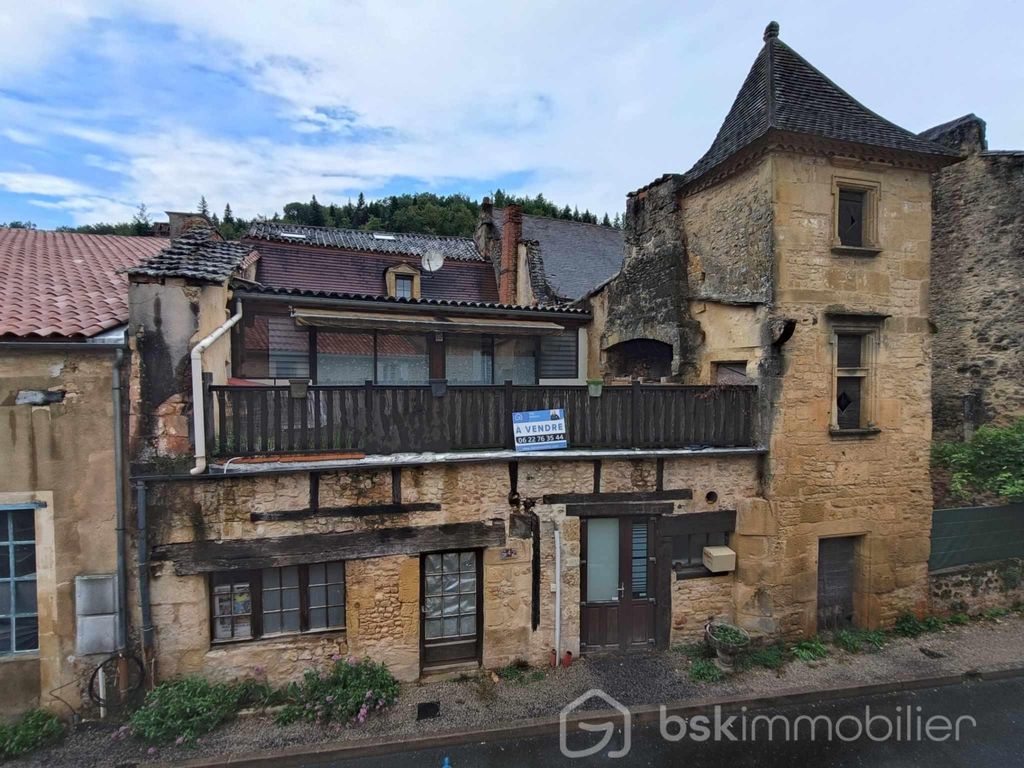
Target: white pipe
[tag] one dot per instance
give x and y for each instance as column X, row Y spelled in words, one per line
column 558, row 593
column 198, row 406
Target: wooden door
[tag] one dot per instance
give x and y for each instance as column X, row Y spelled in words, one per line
column 618, row 604
column 835, row 582
column 451, row 607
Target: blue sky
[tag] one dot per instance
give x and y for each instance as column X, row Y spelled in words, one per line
column 107, row 104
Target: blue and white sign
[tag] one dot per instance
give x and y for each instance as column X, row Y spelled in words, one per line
column 540, row 430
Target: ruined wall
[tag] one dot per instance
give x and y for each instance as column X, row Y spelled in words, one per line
column 61, row 456
column 873, row 485
column 166, row 319
column 977, row 288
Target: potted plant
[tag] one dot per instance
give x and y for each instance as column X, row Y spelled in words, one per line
column 594, row 387
column 727, row 640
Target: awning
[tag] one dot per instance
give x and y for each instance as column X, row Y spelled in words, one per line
column 421, row 323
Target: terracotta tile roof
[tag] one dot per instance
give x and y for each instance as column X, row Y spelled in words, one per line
column 64, row 284
column 198, row 254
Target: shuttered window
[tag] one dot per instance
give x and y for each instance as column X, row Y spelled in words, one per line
column 558, row 355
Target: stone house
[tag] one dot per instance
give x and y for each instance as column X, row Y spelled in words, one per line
column 63, row 311
column 795, row 255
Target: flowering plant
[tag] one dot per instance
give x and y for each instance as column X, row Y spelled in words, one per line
column 349, row 691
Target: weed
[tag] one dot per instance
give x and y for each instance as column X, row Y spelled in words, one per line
column 349, row 691
column 698, row 650
column 728, row 635
column 768, row 657
column 849, row 640
column 705, row 671
column 959, row 619
column 36, row 729
column 181, row 711
column 995, row 613
column 810, row 650
column 514, row 672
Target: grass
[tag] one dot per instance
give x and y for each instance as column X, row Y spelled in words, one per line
column 769, row 657
column 705, row 671
column 859, row 640
column 519, row 671
column 812, row 649
column 698, row 650
column 35, row 729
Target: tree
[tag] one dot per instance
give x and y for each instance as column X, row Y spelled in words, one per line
column 316, row 214
column 141, row 225
column 19, row 225
column 361, row 216
column 606, row 222
column 992, row 461
column 229, row 217
column 203, row 207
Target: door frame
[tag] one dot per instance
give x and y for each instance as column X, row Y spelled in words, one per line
column 626, row 580
column 479, row 654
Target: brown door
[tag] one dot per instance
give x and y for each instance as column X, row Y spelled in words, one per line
column 451, row 607
column 617, row 590
column 835, row 582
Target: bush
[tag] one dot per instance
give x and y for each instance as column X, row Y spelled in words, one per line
column 349, row 691
column 810, row 650
column 769, row 657
column 855, row 640
column 36, row 729
column 728, row 635
column 908, row 625
column 181, row 711
column 992, row 461
column 705, row 671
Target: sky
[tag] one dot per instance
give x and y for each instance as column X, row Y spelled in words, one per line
column 107, row 104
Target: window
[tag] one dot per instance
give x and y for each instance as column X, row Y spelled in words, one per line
column 515, row 360
column 851, row 217
column 690, row 533
column 558, row 355
column 19, row 617
column 731, row 372
column 343, row 358
column 276, row 601
column 853, row 352
column 402, row 359
column 856, row 216
column 469, row 359
column 274, row 346
column 403, row 286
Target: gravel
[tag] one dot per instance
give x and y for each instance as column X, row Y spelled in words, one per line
column 643, row 678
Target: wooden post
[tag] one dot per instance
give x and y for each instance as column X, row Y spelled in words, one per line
column 510, row 441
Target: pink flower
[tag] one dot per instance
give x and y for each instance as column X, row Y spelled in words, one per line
column 352, row 661
column 369, row 694
column 335, row 657
column 151, row 751
column 180, row 740
column 328, row 699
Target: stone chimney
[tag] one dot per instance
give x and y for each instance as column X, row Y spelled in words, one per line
column 511, row 234
column 181, row 222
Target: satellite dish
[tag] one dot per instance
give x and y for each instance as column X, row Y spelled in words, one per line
column 432, row 261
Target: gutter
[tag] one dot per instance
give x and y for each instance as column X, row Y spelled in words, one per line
column 145, row 607
column 122, row 560
column 198, row 406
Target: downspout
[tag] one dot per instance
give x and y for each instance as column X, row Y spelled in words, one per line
column 198, row 405
column 558, row 592
column 143, row 561
column 122, row 560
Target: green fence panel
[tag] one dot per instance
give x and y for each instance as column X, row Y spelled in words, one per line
column 976, row 535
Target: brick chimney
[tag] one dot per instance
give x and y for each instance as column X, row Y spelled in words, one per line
column 511, row 234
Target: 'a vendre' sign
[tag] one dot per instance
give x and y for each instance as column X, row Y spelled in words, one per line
column 540, row 430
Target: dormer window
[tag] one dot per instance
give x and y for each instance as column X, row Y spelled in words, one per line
column 403, row 286
column 403, row 282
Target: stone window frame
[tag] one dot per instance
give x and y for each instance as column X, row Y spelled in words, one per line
column 869, row 329
column 872, row 190
column 254, row 578
column 11, row 581
column 402, row 270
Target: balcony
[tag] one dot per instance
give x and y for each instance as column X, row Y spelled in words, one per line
column 261, row 420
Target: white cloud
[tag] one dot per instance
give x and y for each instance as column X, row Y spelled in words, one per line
column 40, row 184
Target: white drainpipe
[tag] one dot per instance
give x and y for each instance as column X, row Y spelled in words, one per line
column 198, row 409
column 558, row 594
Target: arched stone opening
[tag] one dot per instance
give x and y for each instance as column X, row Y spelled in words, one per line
column 645, row 359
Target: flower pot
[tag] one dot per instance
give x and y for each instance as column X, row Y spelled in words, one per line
column 728, row 641
column 594, row 387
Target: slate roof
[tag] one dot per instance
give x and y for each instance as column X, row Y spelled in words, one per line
column 458, row 248
column 65, row 285
column 198, row 254
column 784, row 92
column 572, row 258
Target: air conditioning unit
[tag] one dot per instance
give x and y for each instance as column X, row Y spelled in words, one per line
column 95, row 614
column 719, row 559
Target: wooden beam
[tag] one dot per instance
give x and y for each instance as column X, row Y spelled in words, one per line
column 681, row 494
column 698, row 522
column 619, row 508
column 242, row 554
column 359, row 510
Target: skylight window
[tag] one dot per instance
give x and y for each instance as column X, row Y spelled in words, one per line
column 380, row 236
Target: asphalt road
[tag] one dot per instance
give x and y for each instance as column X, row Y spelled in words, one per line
column 996, row 740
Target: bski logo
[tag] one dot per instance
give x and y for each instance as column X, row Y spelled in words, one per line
column 608, row 727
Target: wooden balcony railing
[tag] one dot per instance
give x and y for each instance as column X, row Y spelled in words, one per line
column 252, row 420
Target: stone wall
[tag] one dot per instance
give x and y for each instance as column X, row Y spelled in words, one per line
column 383, row 618
column 60, row 456
column 974, row 589
column 977, row 287
column 875, row 485
column 694, row 601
